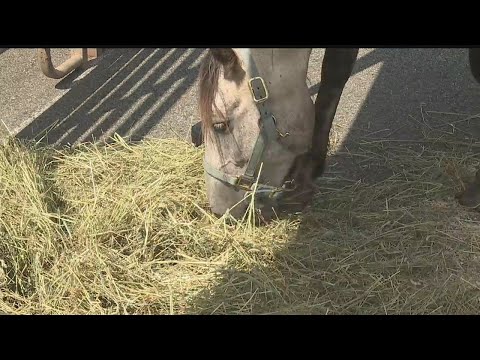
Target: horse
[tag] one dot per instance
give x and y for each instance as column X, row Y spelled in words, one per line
column 263, row 134
column 470, row 196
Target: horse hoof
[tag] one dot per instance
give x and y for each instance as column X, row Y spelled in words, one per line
column 470, row 197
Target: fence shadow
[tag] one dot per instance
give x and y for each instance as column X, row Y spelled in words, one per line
column 127, row 93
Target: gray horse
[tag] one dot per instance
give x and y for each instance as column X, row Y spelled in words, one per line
column 263, row 134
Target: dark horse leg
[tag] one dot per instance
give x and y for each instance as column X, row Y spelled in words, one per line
column 336, row 70
column 471, row 195
column 474, row 60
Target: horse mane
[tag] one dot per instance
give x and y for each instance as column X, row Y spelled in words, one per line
column 210, row 71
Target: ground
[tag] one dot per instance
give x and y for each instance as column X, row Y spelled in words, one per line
column 394, row 94
column 152, row 92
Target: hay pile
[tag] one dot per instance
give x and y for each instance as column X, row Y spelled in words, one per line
column 122, row 229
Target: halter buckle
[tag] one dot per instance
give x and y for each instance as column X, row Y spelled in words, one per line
column 258, row 89
column 245, row 182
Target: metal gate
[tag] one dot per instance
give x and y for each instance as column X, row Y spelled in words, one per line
column 80, row 58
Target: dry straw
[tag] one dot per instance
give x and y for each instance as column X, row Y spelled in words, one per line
column 125, row 229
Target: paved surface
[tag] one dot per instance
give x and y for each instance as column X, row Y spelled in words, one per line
column 134, row 92
column 152, row 92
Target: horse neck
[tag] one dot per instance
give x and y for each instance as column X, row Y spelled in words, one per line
column 276, row 65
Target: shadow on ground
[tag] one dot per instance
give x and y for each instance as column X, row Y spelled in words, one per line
column 307, row 273
column 408, row 95
column 127, row 92
column 317, row 274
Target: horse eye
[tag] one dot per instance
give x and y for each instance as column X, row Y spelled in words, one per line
column 220, row 127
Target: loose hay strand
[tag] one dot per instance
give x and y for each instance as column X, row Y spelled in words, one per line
column 125, row 228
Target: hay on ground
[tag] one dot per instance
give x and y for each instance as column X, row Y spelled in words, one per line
column 124, row 229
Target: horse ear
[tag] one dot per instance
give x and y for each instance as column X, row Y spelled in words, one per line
column 225, row 56
column 229, row 59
